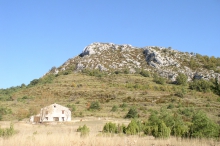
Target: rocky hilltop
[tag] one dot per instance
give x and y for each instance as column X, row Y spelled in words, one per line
column 166, row 62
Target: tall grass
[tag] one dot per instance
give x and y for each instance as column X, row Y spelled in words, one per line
column 66, row 135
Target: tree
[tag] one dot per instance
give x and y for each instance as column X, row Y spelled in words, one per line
column 34, row 82
column 181, row 79
column 133, row 128
column 203, row 127
column 216, row 87
column 200, row 85
column 161, row 130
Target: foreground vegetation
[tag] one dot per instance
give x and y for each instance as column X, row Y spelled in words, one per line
column 66, row 134
column 160, row 108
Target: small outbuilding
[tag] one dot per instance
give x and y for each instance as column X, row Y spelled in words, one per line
column 53, row 112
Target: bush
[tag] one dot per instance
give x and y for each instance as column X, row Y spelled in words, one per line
column 72, row 107
column 4, row 111
column 161, row 130
column 203, row 127
column 84, row 131
column 34, row 82
column 7, row 132
column 159, row 80
column 200, row 85
column 181, row 79
column 145, row 73
column 216, row 87
column 170, row 106
column 114, row 108
column 134, row 127
column 110, row 128
column 123, row 105
column 132, row 113
column 95, row 106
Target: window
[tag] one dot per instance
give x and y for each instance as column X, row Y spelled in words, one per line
column 46, row 112
column 47, row 118
column 54, row 106
column 62, row 111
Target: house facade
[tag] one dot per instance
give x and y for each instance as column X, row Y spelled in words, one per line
column 53, row 112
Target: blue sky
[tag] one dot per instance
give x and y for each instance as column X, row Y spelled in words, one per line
column 37, row 35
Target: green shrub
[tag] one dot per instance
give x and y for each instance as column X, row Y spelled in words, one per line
column 134, row 127
column 110, row 128
column 123, row 105
column 132, row 113
column 72, row 107
column 159, row 80
column 201, row 85
column 7, row 132
column 84, row 131
column 114, row 108
column 145, row 73
column 34, row 82
column 4, row 111
column 181, row 79
column 170, row 106
column 95, row 106
column 203, row 127
column 161, row 130
column 216, row 87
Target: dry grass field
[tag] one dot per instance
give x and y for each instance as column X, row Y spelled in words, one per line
column 64, row 134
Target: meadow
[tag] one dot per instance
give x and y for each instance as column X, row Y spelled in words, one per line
column 64, row 134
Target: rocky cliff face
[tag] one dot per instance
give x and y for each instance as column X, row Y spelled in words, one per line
column 111, row 57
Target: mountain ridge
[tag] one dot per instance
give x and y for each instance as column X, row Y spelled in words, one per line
column 166, row 62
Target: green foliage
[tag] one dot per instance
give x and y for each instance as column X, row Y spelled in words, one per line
column 95, row 106
column 34, row 82
column 84, row 130
column 170, row 106
column 203, row 127
column 193, row 64
column 6, row 94
column 161, row 130
column 47, row 79
column 200, row 85
column 159, row 80
column 4, row 111
column 145, row 73
column 72, row 107
column 114, row 108
column 123, row 105
column 110, row 128
column 181, row 92
column 216, row 87
column 181, row 79
column 7, row 132
column 132, row 113
column 134, row 127
column 95, row 72
column 44, row 80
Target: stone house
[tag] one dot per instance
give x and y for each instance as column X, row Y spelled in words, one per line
column 53, row 112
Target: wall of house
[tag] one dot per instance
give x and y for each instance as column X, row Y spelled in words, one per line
column 55, row 112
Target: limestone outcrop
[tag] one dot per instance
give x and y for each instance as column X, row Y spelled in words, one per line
column 110, row 57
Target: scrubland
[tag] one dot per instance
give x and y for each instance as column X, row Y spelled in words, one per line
column 64, row 134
